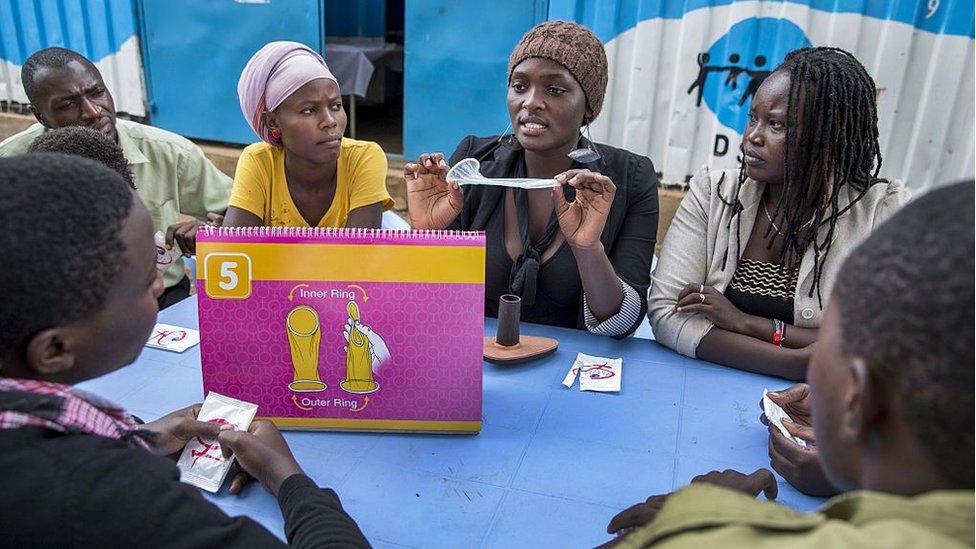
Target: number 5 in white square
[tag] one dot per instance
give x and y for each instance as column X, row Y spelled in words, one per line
column 228, row 275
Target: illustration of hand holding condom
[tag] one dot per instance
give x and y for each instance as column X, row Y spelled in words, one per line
column 365, row 350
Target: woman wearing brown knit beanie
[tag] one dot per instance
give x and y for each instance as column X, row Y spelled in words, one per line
column 579, row 254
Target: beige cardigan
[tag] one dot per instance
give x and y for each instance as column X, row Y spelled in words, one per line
column 696, row 242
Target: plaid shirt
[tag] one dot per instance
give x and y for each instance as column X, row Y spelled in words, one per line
column 29, row 403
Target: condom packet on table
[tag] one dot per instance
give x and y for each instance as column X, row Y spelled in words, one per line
column 172, row 338
column 595, row 373
column 775, row 414
column 164, row 257
column 202, row 463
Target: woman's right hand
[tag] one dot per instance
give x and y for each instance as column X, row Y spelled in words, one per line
column 795, row 401
column 262, row 453
column 799, row 465
column 433, row 202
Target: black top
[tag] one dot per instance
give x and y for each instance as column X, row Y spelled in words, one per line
column 80, row 490
column 763, row 289
column 628, row 237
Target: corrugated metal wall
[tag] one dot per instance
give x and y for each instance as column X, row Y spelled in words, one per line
column 664, row 100
column 104, row 31
column 670, row 102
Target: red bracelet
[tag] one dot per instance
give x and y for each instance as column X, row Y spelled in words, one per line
column 778, row 329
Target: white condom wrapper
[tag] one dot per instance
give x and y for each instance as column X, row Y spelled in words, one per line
column 164, row 257
column 595, row 373
column 202, row 464
column 776, row 415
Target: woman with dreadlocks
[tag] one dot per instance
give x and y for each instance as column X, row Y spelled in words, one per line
column 750, row 256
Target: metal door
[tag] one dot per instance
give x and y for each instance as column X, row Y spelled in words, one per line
column 104, row 31
column 194, row 53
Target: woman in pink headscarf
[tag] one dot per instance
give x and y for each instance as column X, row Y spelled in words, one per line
column 303, row 173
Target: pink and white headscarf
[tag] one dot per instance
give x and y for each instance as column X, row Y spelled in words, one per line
column 274, row 73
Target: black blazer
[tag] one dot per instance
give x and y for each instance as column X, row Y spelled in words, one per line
column 628, row 237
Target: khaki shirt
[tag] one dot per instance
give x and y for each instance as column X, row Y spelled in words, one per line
column 171, row 174
column 703, row 515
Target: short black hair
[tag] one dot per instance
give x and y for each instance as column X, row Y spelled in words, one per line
column 61, row 219
column 905, row 297
column 48, row 58
column 85, row 142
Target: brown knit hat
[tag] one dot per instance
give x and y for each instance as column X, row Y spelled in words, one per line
column 573, row 46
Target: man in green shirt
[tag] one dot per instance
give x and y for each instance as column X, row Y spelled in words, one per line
column 891, row 400
column 171, row 174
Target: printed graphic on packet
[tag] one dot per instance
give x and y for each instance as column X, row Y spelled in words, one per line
column 776, row 415
column 595, row 373
column 172, row 338
column 164, row 257
column 202, row 464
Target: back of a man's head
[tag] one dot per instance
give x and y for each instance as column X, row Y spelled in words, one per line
column 60, row 222
column 906, row 303
column 48, row 58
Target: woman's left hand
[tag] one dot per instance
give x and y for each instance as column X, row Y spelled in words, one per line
column 177, row 428
column 706, row 300
column 582, row 220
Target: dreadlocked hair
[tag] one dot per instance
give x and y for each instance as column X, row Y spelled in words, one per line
column 832, row 100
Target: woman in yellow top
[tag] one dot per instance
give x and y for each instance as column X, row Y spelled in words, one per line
column 303, row 173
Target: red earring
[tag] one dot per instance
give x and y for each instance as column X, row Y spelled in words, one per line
column 275, row 133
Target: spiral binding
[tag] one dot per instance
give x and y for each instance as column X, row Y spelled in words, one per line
column 331, row 232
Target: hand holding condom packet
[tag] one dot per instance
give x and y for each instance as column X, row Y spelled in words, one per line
column 776, row 415
column 202, row 464
column 164, row 257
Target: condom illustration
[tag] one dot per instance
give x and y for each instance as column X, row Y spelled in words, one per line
column 304, row 334
column 468, row 172
column 365, row 351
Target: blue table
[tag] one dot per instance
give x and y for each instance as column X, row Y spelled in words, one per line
column 550, row 467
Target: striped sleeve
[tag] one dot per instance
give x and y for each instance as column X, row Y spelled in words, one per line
column 620, row 323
